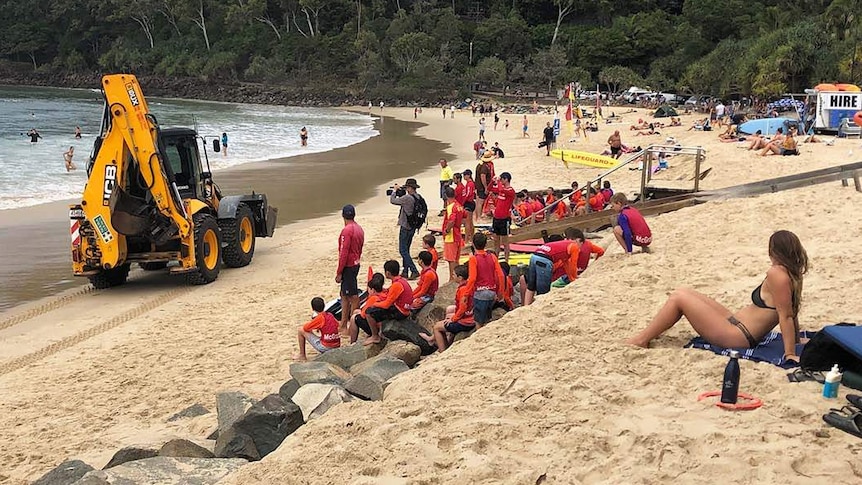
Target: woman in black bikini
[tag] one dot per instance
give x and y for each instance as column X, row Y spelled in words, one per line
column 775, row 301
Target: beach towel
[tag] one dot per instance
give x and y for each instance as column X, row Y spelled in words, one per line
column 770, row 349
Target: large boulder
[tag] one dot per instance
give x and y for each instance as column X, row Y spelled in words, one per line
column 288, row 389
column 462, row 335
column 436, row 310
column 66, row 473
column 315, row 399
column 371, row 381
column 233, row 444
column 318, row 373
column 345, row 357
column 163, row 469
column 407, row 352
column 407, row 330
column 269, row 422
column 131, row 453
column 230, row 406
column 184, row 448
column 189, row 412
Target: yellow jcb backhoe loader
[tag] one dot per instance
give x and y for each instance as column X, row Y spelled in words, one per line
column 149, row 201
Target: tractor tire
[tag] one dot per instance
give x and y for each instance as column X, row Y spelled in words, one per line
column 238, row 237
column 109, row 278
column 153, row 265
column 207, row 250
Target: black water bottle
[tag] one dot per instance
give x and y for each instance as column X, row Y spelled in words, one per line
column 730, row 384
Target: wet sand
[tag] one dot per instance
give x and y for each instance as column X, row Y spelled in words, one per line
column 34, row 243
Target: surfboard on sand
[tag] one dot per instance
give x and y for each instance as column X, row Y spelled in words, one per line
column 767, row 126
column 584, row 158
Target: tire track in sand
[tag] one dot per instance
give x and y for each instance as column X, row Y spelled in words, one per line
column 46, row 307
column 25, row 360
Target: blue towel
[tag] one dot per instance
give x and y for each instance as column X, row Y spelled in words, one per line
column 770, row 349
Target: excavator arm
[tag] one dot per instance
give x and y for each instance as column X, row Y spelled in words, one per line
column 129, row 149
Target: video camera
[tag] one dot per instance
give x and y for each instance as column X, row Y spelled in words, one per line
column 400, row 191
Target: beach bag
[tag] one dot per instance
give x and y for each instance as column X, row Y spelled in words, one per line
column 821, row 353
column 420, row 212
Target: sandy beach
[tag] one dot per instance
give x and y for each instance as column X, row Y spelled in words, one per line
column 547, row 391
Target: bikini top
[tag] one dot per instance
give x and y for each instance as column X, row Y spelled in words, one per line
column 758, row 300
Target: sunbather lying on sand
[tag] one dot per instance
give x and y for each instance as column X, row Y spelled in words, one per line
column 775, row 301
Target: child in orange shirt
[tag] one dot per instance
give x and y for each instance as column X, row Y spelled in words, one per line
column 428, row 244
column 425, row 290
column 375, row 294
column 325, row 323
column 461, row 320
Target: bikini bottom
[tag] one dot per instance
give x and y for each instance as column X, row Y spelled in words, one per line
column 736, row 323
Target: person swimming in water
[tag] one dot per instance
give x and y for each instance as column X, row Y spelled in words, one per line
column 78, row 132
column 34, row 135
column 775, row 301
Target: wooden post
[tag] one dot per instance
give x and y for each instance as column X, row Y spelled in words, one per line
column 857, row 182
column 844, row 183
column 697, row 160
column 646, row 165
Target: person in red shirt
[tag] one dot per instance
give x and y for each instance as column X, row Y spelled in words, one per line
column 585, row 251
column 502, row 188
column 350, row 243
column 461, row 319
column 325, row 324
column 631, row 229
column 576, row 200
column 597, row 200
column 469, row 203
column 485, row 279
column 396, row 306
column 376, row 293
column 548, row 263
column 426, row 289
column 429, row 243
column 524, row 208
column 537, row 207
column 452, row 239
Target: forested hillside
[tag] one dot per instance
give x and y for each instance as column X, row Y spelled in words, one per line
column 410, row 48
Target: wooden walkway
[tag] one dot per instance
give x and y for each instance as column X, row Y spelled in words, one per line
column 597, row 220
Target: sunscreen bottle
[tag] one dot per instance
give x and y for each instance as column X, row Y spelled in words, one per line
column 832, row 383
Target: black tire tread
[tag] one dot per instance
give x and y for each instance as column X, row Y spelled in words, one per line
column 109, row 278
column 232, row 253
column 200, row 276
column 153, row 265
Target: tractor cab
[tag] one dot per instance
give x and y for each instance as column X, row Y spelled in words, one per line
column 180, row 149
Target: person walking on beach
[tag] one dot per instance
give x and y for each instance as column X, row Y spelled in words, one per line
column 350, row 243
column 381, row 106
column 616, row 143
column 525, row 127
column 446, row 178
column 496, row 120
column 482, row 129
column 775, row 302
column 303, row 137
column 407, row 198
column 452, row 112
column 67, row 157
column 548, row 134
column 224, row 143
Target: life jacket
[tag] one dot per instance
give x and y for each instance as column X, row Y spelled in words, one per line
column 329, row 335
column 486, row 272
column 406, row 297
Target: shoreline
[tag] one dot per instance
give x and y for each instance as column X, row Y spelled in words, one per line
column 293, row 184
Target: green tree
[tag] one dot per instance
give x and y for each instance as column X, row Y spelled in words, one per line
column 491, row 71
column 615, row 77
column 409, row 49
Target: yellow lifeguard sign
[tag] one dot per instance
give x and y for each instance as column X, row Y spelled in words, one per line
column 584, row 158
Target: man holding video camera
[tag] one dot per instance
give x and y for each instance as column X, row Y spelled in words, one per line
column 407, row 198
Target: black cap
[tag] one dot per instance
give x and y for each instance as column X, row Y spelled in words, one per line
column 411, row 183
column 348, row 212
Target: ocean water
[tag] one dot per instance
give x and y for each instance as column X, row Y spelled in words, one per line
column 34, row 173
